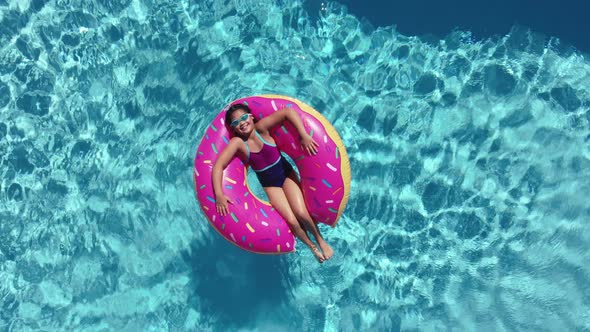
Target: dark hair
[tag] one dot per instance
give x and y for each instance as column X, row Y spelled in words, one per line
column 234, row 108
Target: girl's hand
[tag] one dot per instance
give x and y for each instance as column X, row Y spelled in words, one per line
column 221, row 204
column 309, row 145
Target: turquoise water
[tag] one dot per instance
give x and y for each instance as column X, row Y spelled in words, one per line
column 470, row 163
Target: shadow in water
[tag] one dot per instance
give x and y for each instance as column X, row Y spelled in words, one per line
column 237, row 286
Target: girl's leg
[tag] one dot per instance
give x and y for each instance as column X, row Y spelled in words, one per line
column 297, row 204
column 279, row 202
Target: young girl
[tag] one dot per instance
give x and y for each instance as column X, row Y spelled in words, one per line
column 257, row 148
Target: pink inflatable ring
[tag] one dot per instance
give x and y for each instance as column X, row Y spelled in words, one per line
column 253, row 224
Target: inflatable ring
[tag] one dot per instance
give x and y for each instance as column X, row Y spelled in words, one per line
column 253, row 224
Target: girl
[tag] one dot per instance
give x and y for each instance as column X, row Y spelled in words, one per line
column 257, row 148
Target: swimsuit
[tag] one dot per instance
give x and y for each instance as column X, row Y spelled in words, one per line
column 268, row 163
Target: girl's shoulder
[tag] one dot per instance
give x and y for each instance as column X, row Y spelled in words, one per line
column 260, row 130
column 236, row 143
column 236, row 140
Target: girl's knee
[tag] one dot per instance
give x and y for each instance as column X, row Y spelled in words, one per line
column 293, row 223
column 303, row 216
column 299, row 215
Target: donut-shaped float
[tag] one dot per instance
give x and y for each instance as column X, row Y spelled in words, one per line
column 252, row 223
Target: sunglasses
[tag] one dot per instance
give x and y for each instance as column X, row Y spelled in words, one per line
column 237, row 121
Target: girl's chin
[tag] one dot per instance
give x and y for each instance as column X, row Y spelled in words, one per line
column 246, row 130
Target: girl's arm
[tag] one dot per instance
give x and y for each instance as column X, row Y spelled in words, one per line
column 289, row 114
column 216, row 176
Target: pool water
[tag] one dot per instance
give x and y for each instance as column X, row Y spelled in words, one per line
column 566, row 19
column 470, row 171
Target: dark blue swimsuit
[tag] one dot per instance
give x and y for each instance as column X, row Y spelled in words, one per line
column 268, row 163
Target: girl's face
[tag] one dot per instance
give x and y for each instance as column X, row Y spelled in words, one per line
column 242, row 122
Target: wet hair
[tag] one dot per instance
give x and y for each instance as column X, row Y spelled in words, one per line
column 234, row 108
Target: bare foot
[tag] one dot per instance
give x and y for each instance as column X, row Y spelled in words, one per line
column 318, row 254
column 326, row 249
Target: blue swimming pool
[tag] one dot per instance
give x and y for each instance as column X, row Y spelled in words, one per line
column 566, row 20
column 470, row 171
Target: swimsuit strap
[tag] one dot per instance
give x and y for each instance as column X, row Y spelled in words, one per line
column 262, row 139
column 248, row 150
